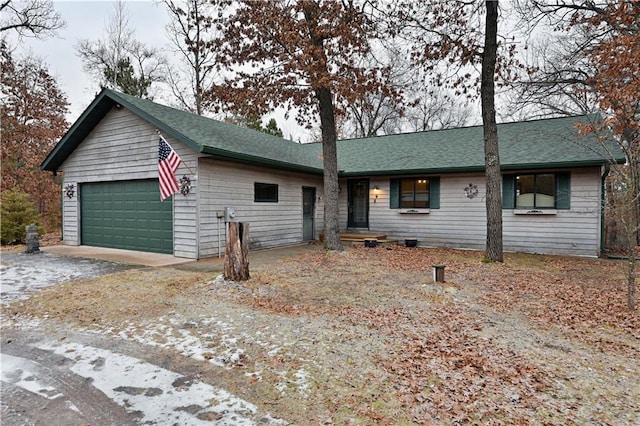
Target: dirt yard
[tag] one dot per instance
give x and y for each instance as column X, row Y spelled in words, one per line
column 366, row 336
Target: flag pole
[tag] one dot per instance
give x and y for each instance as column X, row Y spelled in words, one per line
column 183, row 163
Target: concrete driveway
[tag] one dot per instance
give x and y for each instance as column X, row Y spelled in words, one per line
column 23, row 274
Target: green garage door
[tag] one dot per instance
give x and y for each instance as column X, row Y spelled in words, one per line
column 126, row 215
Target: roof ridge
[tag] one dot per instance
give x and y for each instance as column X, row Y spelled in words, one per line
column 475, row 126
column 133, row 98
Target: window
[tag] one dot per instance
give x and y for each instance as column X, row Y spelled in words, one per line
column 536, row 191
column 415, row 193
column 265, row 192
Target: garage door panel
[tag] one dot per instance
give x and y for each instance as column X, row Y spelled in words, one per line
column 126, row 215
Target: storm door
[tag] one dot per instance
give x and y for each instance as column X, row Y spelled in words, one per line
column 308, row 213
column 358, row 198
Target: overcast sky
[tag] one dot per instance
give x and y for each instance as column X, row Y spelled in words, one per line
column 87, row 19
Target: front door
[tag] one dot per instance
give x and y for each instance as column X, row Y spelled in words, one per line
column 358, row 196
column 308, row 212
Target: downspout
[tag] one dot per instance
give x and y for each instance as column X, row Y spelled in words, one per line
column 605, row 174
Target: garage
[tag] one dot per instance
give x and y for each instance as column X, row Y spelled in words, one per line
column 126, row 215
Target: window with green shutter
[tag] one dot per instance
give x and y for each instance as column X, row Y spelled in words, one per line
column 536, row 191
column 415, row 193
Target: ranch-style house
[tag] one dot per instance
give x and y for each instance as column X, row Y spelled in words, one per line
column 424, row 185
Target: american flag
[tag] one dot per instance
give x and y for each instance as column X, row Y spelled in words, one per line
column 168, row 162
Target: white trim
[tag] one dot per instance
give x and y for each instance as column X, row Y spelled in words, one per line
column 414, row 211
column 535, row 212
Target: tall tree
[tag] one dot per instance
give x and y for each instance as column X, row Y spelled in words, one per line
column 32, row 120
column 303, row 53
column 30, row 18
column 119, row 61
column 617, row 87
column 191, row 34
column 493, row 203
column 450, row 42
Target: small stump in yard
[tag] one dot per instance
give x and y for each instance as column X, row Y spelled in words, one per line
column 411, row 242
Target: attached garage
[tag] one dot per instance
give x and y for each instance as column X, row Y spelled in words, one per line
column 126, row 215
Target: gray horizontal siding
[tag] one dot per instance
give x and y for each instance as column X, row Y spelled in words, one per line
column 271, row 224
column 124, row 147
column 70, row 217
column 460, row 222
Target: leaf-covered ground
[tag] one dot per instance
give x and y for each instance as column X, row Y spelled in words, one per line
column 366, row 336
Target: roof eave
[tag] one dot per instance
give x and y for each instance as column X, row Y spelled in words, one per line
column 259, row 161
column 69, row 142
column 475, row 169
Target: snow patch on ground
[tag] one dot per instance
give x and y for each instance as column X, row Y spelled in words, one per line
column 218, row 346
column 22, row 274
column 160, row 395
column 299, row 380
column 24, row 373
column 216, row 341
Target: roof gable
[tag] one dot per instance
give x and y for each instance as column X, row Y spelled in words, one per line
column 202, row 134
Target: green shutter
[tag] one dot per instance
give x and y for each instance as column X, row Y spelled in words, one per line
column 394, row 193
column 508, row 191
column 434, row 193
column 563, row 191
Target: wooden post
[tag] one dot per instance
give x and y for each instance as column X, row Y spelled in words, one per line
column 236, row 255
column 438, row 273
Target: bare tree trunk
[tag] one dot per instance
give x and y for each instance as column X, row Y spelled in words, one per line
column 635, row 201
column 330, row 163
column 631, row 274
column 236, row 256
column 494, row 250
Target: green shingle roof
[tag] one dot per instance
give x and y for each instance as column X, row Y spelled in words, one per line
column 202, row 134
column 545, row 143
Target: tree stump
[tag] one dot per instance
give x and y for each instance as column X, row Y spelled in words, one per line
column 236, row 255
